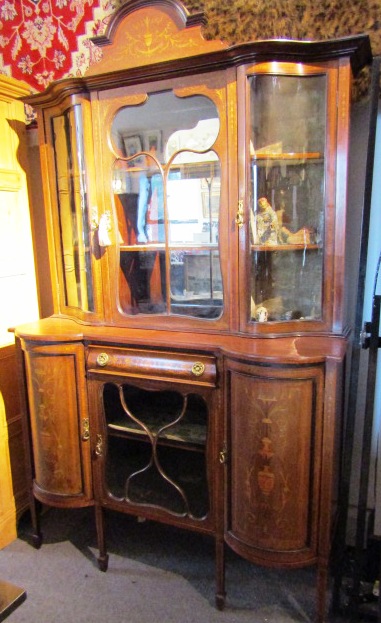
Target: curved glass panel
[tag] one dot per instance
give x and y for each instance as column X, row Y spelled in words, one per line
column 73, row 208
column 166, row 190
column 287, row 196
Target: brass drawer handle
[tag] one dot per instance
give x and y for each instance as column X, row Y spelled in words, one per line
column 198, row 368
column 102, row 359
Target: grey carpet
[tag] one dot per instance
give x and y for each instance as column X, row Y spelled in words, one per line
column 156, row 574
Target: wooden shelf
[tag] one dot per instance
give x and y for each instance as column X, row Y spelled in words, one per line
column 191, row 435
column 285, row 247
column 292, row 156
column 181, row 246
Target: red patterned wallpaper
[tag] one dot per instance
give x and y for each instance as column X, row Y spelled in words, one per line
column 44, row 40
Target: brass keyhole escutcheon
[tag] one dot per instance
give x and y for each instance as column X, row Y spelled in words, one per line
column 239, row 215
column 102, row 359
column 99, row 446
column 223, row 455
column 198, row 368
column 85, row 429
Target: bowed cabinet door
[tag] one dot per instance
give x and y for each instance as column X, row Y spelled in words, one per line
column 59, row 423
column 275, row 427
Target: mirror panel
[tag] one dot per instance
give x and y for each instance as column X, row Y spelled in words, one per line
column 166, row 188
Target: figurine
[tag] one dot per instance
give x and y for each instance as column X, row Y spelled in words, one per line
column 266, row 225
column 261, row 314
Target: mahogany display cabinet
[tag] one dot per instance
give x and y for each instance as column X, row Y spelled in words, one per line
column 196, row 205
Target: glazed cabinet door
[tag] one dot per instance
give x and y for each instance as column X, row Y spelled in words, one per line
column 293, row 192
column 165, row 187
column 73, row 214
column 59, row 423
column 156, row 441
column 274, row 462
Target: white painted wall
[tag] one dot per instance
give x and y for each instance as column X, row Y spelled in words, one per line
column 18, row 292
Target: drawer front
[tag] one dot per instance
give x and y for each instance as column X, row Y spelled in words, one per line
column 150, row 364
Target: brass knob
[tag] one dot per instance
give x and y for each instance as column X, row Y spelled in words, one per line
column 198, row 368
column 102, row 359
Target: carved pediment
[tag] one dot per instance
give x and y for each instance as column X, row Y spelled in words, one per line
column 142, row 33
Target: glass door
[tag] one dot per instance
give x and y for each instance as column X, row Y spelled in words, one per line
column 156, row 449
column 166, row 188
column 73, row 197
column 286, row 188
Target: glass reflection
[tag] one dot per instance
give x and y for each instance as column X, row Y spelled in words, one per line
column 287, row 196
column 73, row 208
column 166, row 188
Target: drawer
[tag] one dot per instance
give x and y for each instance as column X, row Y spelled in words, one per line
column 151, row 364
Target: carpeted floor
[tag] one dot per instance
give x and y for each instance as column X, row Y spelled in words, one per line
column 156, row 574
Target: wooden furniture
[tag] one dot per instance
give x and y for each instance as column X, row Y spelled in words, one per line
column 192, row 372
column 14, row 490
column 11, row 597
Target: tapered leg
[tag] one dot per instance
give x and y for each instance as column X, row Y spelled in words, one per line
column 321, row 601
column 220, row 574
column 35, row 516
column 103, row 556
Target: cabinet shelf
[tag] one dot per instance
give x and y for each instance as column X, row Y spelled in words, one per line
column 193, row 436
column 262, row 158
column 153, row 412
column 284, row 247
column 183, row 246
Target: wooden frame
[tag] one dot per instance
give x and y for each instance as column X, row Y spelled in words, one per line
column 132, row 145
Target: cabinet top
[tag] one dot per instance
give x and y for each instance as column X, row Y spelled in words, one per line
column 159, row 39
column 290, row 349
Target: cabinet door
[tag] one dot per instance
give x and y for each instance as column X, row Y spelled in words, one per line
column 292, row 196
column 275, row 425
column 165, row 148
column 59, row 423
column 74, row 253
column 155, row 444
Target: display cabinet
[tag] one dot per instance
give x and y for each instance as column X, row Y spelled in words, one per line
column 193, row 370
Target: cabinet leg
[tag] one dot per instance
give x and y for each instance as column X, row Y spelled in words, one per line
column 36, row 526
column 322, row 581
column 220, row 574
column 103, row 556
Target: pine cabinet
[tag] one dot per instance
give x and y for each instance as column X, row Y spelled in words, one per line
column 193, row 370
